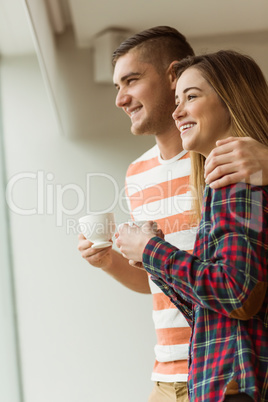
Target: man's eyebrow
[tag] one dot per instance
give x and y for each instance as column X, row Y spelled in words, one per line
column 125, row 77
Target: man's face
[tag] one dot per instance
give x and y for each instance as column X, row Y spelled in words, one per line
column 144, row 94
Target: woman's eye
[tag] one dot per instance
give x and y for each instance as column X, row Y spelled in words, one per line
column 190, row 97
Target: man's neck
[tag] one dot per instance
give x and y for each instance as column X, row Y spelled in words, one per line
column 169, row 144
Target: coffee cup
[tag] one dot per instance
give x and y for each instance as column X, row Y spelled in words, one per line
column 98, row 228
column 141, row 223
column 137, row 223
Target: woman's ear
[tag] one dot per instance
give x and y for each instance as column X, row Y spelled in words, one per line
column 172, row 75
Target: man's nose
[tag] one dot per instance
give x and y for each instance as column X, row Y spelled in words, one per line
column 122, row 99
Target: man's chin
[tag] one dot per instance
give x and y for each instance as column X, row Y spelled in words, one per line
column 140, row 131
column 135, row 131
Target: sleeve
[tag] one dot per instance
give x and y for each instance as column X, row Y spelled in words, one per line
column 228, row 271
column 127, row 198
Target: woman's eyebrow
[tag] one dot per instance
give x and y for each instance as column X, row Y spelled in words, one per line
column 189, row 88
column 186, row 90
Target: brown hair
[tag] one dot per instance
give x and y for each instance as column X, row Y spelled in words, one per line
column 158, row 46
column 241, row 85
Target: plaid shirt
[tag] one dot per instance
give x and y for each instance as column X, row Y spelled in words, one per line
column 222, row 291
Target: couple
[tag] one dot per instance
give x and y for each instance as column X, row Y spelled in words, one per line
column 222, row 287
column 145, row 78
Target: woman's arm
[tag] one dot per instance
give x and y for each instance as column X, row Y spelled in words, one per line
column 228, row 272
column 132, row 240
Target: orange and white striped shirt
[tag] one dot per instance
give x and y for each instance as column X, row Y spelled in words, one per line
column 158, row 190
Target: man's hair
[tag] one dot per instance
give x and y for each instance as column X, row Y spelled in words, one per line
column 158, row 46
column 242, row 87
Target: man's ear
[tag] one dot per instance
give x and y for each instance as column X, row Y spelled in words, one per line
column 172, row 75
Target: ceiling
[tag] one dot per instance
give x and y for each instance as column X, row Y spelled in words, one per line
column 89, row 17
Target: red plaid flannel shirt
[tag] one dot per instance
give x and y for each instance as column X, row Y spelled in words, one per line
column 222, row 291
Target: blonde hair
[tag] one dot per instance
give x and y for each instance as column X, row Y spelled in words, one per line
column 241, row 85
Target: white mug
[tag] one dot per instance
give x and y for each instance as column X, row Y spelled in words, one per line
column 98, row 228
column 141, row 223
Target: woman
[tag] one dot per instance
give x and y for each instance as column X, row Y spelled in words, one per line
column 222, row 287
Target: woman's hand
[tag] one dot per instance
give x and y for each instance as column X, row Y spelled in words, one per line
column 131, row 240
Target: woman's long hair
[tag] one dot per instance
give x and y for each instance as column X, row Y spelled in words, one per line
column 241, row 85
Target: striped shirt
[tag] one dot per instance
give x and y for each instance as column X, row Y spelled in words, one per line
column 158, row 190
column 225, row 283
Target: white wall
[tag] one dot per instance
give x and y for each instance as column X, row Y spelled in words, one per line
column 10, row 385
column 83, row 337
column 255, row 44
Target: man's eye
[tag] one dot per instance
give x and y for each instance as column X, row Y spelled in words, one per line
column 130, row 80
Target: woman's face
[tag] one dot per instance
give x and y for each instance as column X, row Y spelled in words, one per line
column 200, row 116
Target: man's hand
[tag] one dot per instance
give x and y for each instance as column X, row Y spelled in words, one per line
column 237, row 160
column 100, row 258
column 114, row 264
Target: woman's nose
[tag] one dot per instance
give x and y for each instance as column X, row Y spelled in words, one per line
column 179, row 112
column 176, row 113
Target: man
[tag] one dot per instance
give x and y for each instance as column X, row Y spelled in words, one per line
column 157, row 187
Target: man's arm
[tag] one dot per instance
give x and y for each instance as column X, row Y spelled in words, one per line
column 237, row 160
column 115, row 265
